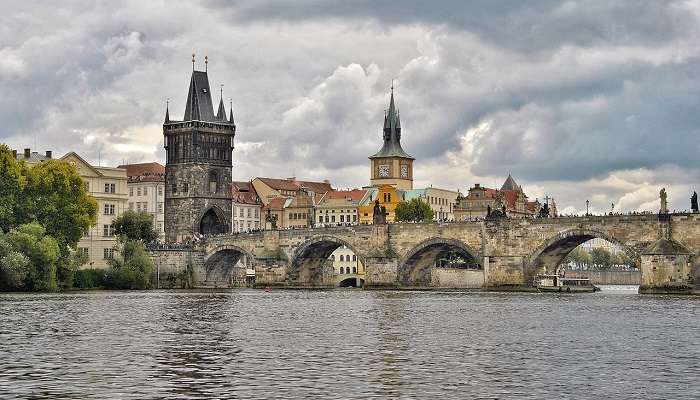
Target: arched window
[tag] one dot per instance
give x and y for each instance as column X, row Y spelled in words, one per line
column 213, row 182
column 332, row 257
column 342, row 257
column 354, row 270
column 354, row 257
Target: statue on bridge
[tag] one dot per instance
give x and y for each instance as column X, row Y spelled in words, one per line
column 694, row 202
column 270, row 221
column 544, row 211
column 378, row 214
column 664, row 201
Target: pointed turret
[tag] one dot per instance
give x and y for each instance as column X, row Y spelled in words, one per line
column 221, row 114
column 167, row 113
column 392, row 133
column 199, row 106
column 230, row 120
column 510, row 184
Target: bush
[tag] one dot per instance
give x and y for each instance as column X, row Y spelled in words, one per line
column 132, row 270
column 89, row 278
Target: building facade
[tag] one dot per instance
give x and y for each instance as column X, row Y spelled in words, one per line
column 339, row 207
column 349, row 271
column 392, row 165
column 247, row 207
column 479, row 200
column 110, row 188
column 441, row 201
column 198, row 166
column 146, row 183
column 389, row 197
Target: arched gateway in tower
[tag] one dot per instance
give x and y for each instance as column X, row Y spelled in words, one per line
column 198, row 165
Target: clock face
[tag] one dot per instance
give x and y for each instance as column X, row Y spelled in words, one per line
column 404, row 171
column 383, row 171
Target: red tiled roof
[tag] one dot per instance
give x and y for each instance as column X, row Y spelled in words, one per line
column 276, row 204
column 244, row 193
column 144, row 172
column 294, row 185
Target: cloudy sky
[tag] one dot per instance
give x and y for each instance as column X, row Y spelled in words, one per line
column 579, row 100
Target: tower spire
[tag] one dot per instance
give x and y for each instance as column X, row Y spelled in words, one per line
column 206, row 63
column 221, row 113
column 231, row 114
column 192, row 61
column 167, row 110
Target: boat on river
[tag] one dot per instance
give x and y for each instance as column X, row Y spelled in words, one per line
column 561, row 284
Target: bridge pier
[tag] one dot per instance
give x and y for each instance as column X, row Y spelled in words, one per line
column 666, row 268
column 381, row 273
column 504, row 271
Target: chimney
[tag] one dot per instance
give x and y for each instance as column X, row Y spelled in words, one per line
column 27, row 153
column 48, row 153
column 14, row 154
column 326, row 181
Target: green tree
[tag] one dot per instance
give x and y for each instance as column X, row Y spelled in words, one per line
column 132, row 268
column 30, row 262
column 415, row 210
column 57, row 199
column 601, row 258
column 12, row 183
column 136, row 226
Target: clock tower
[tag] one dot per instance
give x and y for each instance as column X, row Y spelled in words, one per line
column 391, row 165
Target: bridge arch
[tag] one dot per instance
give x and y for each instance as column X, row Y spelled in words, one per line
column 415, row 267
column 547, row 256
column 220, row 262
column 309, row 265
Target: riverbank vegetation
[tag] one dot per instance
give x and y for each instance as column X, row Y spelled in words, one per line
column 44, row 211
column 599, row 259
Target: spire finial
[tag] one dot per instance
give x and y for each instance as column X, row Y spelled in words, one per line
column 221, row 89
column 192, row 61
column 167, row 110
column 392, row 86
column 206, row 63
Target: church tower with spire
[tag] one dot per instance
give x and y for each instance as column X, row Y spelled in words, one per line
column 391, row 165
column 198, row 165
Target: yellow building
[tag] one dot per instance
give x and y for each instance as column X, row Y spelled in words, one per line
column 388, row 196
column 109, row 187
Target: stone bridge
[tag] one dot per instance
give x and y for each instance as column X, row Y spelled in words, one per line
column 506, row 253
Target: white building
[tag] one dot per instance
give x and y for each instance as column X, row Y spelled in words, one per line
column 146, row 183
column 338, row 208
column 246, row 207
column 109, row 187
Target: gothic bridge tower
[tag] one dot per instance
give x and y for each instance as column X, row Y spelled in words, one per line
column 391, row 165
column 198, row 165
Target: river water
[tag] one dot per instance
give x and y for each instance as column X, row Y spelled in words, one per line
column 348, row 344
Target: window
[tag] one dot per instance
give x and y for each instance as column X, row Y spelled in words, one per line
column 138, row 191
column 160, row 190
column 250, row 213
column 131, row 205
column 185, row 188
column 342, row 257
column 174, row 188
column 145, row 191
column 257, row 213
column 213, row 181
column 87, row 186
column 84, row 251
column 240, row 212
column 354, row 270
column 327, row 218
column 108, row 254
column 320, row 218
column 354, row 257
column 332, row 218
column 107, row 230
column 110, row 188
column 354, row 218
column 332, row 257
column 342, row 218
column 131, row 191
column 160, row 227
column 109, row 209
column 160, row 207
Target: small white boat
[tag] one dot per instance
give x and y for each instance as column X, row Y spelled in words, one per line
column 562, row 284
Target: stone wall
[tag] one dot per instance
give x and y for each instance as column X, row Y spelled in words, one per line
column 458, row 278
column 608, row 277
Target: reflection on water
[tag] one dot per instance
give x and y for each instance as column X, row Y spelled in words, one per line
column 348, row 344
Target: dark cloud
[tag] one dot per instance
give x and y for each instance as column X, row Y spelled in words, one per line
column 578, row 99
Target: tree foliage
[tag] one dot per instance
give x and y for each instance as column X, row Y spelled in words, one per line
column 12, row 183
column 51, row 193
column 57, row 199
column 136, row 226
column 28, row 259
column 415, row 210
column 132, row 268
